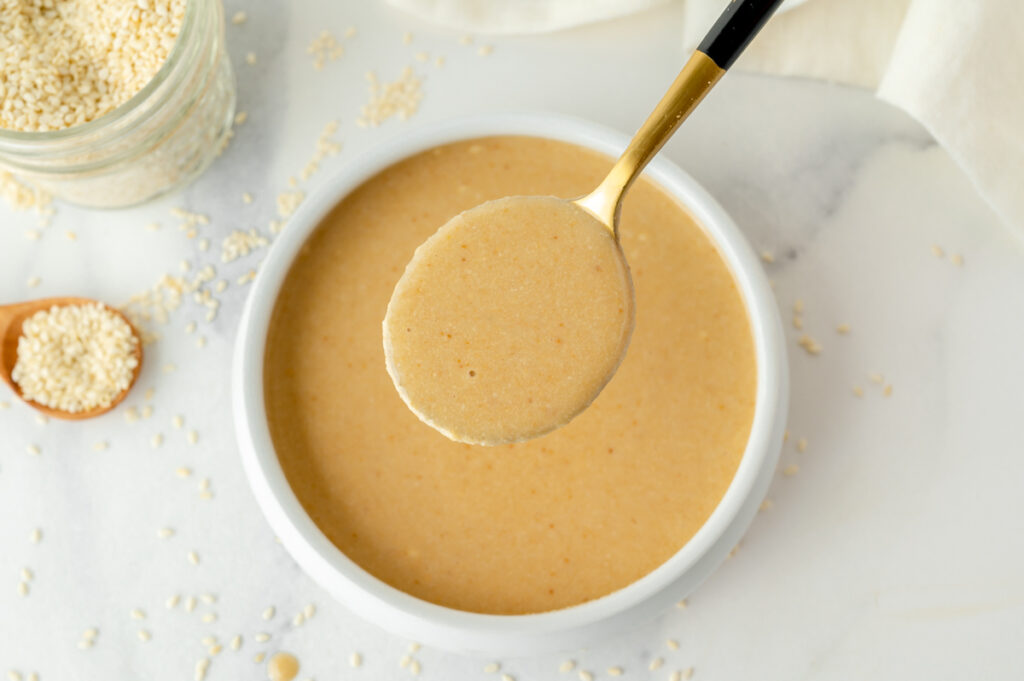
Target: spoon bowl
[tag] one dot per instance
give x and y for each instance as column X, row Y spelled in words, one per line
column 13, row 316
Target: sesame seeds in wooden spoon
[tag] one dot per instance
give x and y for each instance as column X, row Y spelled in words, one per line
column 70, row 358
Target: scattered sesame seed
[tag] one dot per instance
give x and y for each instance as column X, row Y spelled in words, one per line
column 241, row 117
column 204, row 244
column 507, row 677
column 768, row 256
column 858, row 391
column 165, row 532
column 567, row 666
column 672, row 644
column 485, row 50
column 193, row 557
column 262, row 637
column 236, row 642
column 42, row 419
column 13, row 675
column 27, row 574
column 798, row 306
column 209, row 617
column 100, row 446
column 439, row 62
column 956, row 259
column 90, row 633
column 887, row 392
column 876, row 377
column 801, row 445
column 239, row 18
column 32, row 234
column 192, row 437
column 204, row 484
column 239, row 244
column 220, row 286
column 156, row 440
column 681, row 604
column 656, row 664
column 400, row 98
column 183, row 472
column 190, row 603
column 298, row 619
column 208, row 640
column 246, row 197
column 259, row 657
column 70, row 235
column 150, row 392
column 208, row 598
column 811, row 346
column 33, row 450
column 584, row 675
column 492, row 668
column 269, row 613
column 614, row 671
column 169, row 368
column 355, row 660
column 687, row 673
column 85, row 644
column 791, row 470
column 843, row 329
column 767, row 505
column 23, row 588
column 404, row 661
column 937, row 251
column 675, row 676
column 138, row 614
column 36, row 535
column 798, row 322
column 5, row 404
column 201, row 666
column 33, row 282
column 215, row 649
column 414, row 668
column 144, row 635
column 407, row 38
column 422, row 57
column 324, row 47
column 310, row 610
column 153, row 226
column 350, row 32
column 178, row 421
column 172, row 602
column 184, row 266
column 466, row 40
column 250, row 58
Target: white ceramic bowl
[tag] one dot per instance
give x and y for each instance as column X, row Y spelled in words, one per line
column 573, row 627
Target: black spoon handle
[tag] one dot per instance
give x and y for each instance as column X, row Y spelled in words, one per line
column 734, row 30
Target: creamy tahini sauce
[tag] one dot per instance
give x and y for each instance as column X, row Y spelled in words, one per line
column 574, row 515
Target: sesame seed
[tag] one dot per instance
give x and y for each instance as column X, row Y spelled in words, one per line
column 672, row 644
column 208, row 598
column 208, row 640
column 407, row 38
column 4, row 404
column 241, row 117
column 183, row 472
column 404, row 661
column 85, row 644
column 259, row 657
column 138, row 614
column 156, row 440
column 439, row 62
column 35, row 536
column 957, row 259
column 350, row 32
column 75, row 357
column 768, row 256
column 236, row 642
column 421, row 57
column 33, row 450
column 169, row 368
column 310, row 610
column 843, row 329
column 144, row 635
column 681, row 604
column 23, row 588
column 90, row 633
column 215, row 649
column 492, row 668
column 355, row 660
column 507, row 677
column 567, row 666
column 298, row 619
column 262, row 637
column 937, row 251
column 178, row 421
column 246, row 197
column 201, row 666
column 33, row 282
column 687, row 673
column 614, row 671
column 220, row 286
column 791, row 470
column 876, row 377
column 414, row 667
column 858, row 391
column 584, row 675
column 204, row 244
column 466, row 40
column 887, row 391
column 656, row 664
column 209, row 617
column 801, row 445
column 811, row 346
column 172, row 602
column 485, row 50
column 27, row 574
column 269, row 613
column 193, row 557
column 100, row 446
column 13, row 675
column 190, row 603
column 250, row 58
column 675, row 676
column 204, row 484
column 165, row 532
column 184, row 265
column 798, row 322
column 798, row 306
column 767, row 505
column 239, row 18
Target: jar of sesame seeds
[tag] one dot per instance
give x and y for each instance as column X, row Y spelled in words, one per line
column 167, row 130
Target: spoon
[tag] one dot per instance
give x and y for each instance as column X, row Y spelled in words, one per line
column 11, row 319
column 512, row 317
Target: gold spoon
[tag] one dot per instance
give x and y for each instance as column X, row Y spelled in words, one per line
column 726, row 40
column 11, row 319
column 483, row 340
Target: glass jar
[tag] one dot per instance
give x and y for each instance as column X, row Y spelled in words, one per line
column 162, row 138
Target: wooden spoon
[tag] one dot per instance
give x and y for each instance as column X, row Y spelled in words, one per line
column 11, row 319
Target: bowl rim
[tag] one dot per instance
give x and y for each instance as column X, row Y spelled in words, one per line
column 408, row 615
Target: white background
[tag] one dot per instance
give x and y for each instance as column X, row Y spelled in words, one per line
column 895, row 553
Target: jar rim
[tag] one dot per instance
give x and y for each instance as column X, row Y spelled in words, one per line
column 121, row 110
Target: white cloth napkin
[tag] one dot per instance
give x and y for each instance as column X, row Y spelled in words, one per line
column 957, row 66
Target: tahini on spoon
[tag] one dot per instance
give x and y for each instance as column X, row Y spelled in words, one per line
column 11, row 319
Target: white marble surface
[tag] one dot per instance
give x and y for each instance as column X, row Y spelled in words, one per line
column 897, row 551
